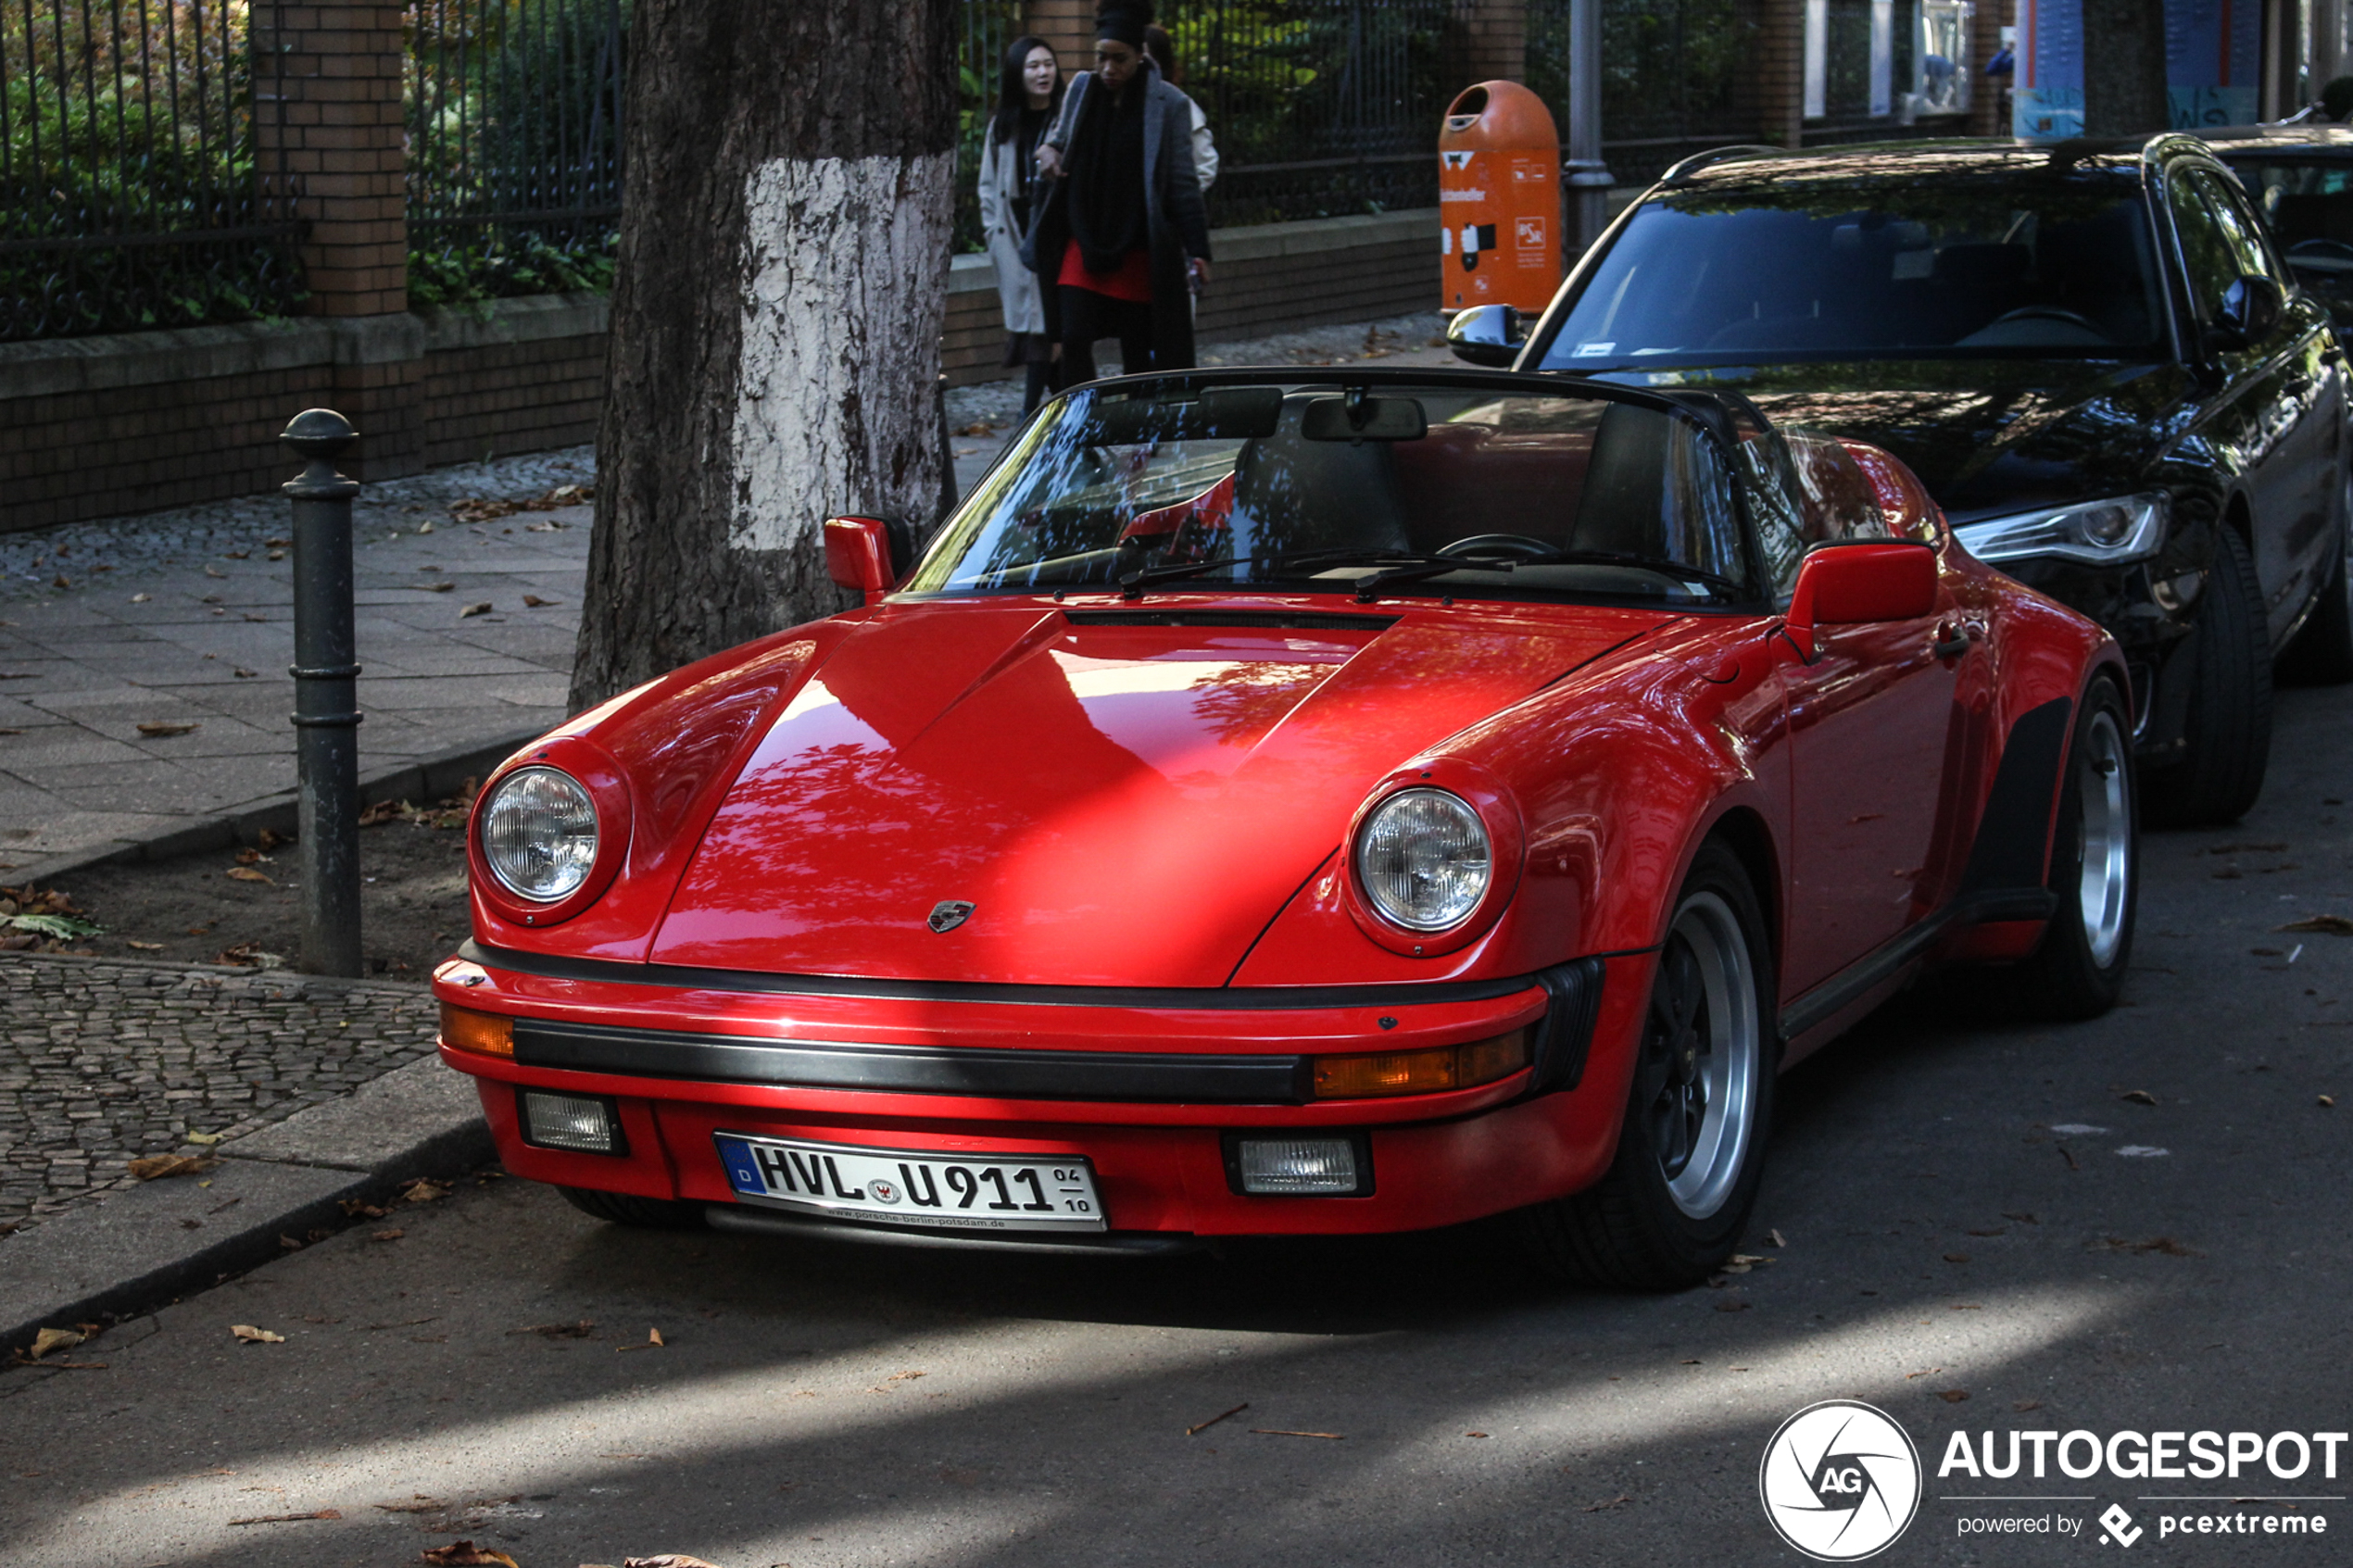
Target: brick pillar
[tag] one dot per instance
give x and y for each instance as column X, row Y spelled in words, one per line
column 1494, row 39
column 1069, row 26
column 1775, row 91
column 334, row 137
column 1989, row 106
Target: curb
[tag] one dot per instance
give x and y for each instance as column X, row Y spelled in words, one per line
column 129, row 1253
column 429, row 778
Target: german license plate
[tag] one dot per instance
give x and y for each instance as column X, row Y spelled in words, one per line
column 983, row 1192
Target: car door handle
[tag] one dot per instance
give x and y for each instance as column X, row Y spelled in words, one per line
column 1951, row 641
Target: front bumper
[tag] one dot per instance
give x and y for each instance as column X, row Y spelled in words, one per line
column 1144, row 1085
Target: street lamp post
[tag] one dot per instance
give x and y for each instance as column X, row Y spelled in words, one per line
column 1588, row 176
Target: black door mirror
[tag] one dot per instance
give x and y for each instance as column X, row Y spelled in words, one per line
column 1487, row 335
column 2251, row 307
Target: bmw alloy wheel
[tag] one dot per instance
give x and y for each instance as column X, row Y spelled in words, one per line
column 1702, row 1053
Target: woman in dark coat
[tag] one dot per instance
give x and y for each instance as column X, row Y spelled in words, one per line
column 1122, row 235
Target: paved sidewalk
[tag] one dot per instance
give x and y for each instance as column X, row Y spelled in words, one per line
column 186, row 619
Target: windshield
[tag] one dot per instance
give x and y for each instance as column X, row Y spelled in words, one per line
column 2310, row 208
column 1964, row 263
column 1436, row 489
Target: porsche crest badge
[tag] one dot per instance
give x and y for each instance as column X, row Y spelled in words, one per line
column 950, row 913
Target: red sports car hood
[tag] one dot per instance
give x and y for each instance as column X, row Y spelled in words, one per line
column 1122, row 798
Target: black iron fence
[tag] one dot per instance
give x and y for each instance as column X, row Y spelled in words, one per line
column 130, row 193
column 513, row 117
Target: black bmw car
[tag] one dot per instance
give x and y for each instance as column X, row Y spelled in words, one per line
column 2090, row 353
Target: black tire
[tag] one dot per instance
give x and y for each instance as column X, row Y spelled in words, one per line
column 1631, row 1230
column 2095, row 869
column 2322, row 654
column 642, row 1213
column 2229, row 728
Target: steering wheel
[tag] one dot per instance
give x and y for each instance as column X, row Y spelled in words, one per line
column 1514, row 544
column 2048, row 313
column 2337, row 250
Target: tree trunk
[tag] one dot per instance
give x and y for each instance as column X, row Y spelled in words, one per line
column 2124, row 68
column 775, row 320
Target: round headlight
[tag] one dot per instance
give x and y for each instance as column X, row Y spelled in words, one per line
column 540, row 834
column 1423, row 860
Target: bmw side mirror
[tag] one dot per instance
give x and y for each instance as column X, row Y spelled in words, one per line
column 2251, row 307
column 1487, row 335
column 858, row 555
column 1852, row 583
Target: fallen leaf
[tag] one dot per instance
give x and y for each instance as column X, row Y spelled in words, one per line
column 249, row 856
column 2330, row 925
column 2143, row 1151
column 154, row 1167
column 1994, row 1230
column 1279, row 1432
column 291, row 1518
column 143, row 947
column 482, row 609
column 465, row 1554
column 535, row 601
column 1775, row 1237
column 2329, row 1101
column 393, row 1234
column 243, row 674
column 2022, row 1406
column 1732, row 1306
column 205, row 1138
column 244, row 955
column 978, row 428
column 1956, row 1257
column 50, row 1339
column 214, row 571
column 2020, row 1215
column 580, row 1330
column 1616, row 1501
column 2138, row 1096
column 167, row 727
column 435, row 588
column 246, row 873
column 1474, row 1433
column 252, row 1336
column 424, row 1190
column 1952, row 1395
column 142, row 598
column 422, row 1505
column 474, row 509
column 666, row 1560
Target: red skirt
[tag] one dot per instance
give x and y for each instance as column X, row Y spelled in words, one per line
column 1133, row 281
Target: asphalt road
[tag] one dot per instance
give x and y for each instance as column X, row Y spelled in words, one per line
column 820, row 1405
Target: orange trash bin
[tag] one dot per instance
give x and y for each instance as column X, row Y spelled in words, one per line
column 1499, row 199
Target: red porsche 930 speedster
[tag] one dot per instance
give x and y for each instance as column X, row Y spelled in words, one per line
column 1301, row 801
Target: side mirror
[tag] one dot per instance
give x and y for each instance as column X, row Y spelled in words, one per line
column 2251, row 307
column 1846, row 584
column 1487, row 335
column 858, row 555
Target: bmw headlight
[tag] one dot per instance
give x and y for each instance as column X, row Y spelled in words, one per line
column 540, row 834
column 2100, row 533
column 1423, row 860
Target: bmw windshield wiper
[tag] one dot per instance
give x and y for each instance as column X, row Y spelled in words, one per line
column 1133, row 585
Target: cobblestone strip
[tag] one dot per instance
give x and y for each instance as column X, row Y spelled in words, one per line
column 103, row 1061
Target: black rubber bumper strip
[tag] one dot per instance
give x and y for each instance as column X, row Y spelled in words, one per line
column 981, row 1072
column 752, row 1222
column 1216, row 999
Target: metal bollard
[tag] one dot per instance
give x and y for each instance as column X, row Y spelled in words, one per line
column 326, row 716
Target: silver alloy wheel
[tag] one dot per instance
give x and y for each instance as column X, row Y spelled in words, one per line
column 1702, row 1053
column 2104, row 890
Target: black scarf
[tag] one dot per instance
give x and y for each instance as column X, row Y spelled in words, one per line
column 1023, row 152
column 1107, row 175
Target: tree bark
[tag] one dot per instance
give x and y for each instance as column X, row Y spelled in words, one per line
column 2124, row 68
column 775, row 319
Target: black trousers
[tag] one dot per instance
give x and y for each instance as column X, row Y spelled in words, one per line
column 1088, row 316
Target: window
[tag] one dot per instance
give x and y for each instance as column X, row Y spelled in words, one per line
column 2210, row 257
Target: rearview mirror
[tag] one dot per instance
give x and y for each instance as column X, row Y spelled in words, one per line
column 1487, row 335
column 2251, row 307
column 1358, row 417
column 858, row 555
column 1846, row 584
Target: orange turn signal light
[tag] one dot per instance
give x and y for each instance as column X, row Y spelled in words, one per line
column 491, row 1033
column 1422, row 1073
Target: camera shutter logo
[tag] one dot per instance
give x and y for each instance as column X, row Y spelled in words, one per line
column 1840, row 1481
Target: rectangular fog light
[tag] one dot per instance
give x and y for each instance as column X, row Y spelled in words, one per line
column 1302, row 1167
column 573, row 1121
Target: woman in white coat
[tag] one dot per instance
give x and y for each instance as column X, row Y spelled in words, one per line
column 1029, row 96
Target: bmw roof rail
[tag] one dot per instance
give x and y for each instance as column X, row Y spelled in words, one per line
column 1698, row 161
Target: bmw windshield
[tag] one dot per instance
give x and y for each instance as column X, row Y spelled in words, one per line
column 1374, row 485
column 1848, row 259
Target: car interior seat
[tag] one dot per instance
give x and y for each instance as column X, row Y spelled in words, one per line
column 1292, row 493
column 1623, row 509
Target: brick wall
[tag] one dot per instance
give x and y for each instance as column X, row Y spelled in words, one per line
column 102, row 426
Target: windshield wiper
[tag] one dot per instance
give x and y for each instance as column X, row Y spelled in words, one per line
column 1726, row 587
column 1133, row 585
